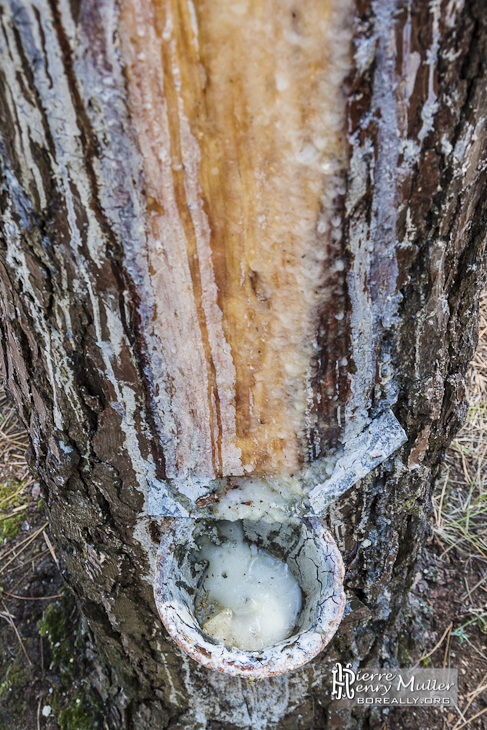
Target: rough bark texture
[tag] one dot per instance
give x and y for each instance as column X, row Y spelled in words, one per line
column 74, row 359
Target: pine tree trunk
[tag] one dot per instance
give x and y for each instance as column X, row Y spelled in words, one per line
column 121, row 135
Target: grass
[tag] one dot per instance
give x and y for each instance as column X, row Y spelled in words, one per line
column 460, row 507
column 460, row 504
column 15, row 479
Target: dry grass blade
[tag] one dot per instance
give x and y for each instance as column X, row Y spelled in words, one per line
column 481, row 688
column 33, row 563
column 440, row 506
column 471, row 590
column 437, row 646
column 32, row 598
column 29, row 537
column 12, row 496
column 25, row 545
column 51, row 547
column 471, row 719
column 465, row 638
column 13, row 512
column 11, row 621
column 447, row 647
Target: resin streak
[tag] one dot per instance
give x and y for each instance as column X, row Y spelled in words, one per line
column 243, row 163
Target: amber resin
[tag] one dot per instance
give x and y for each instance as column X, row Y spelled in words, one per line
column 238, row 109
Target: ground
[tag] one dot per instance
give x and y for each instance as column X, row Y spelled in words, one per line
column 48, row 678
column 450, row 593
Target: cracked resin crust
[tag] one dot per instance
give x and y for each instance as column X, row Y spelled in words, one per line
column 314, row 559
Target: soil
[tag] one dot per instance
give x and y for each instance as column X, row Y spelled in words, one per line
column 44, row 670
column 46, row 677
column 440, row 599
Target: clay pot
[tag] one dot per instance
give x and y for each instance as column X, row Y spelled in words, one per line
column 314, row 560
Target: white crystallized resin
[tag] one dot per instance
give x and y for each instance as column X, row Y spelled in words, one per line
column 248, row 598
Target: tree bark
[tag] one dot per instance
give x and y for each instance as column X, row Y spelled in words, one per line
column 86, row 328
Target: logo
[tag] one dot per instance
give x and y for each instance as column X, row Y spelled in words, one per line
column 377, row 686
column 343, row 679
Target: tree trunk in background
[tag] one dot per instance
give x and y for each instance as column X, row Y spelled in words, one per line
column 75, row 209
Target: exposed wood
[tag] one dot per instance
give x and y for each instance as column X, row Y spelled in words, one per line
column 239, row 110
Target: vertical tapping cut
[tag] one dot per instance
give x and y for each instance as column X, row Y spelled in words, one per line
column 239, row 114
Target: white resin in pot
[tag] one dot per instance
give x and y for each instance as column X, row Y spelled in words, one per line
column 251, row 599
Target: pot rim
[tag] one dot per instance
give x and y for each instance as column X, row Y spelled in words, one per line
column 279, row 658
